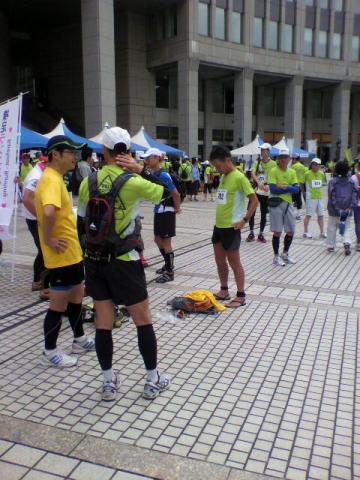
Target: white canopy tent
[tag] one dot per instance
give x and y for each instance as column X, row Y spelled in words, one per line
column 281, row 144
column 99, row 137
column 58, row 130
column 252, row 148
column 139, row 139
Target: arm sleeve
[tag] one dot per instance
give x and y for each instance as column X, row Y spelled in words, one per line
column 153, row 192
column 293, row 188
column 274, row 190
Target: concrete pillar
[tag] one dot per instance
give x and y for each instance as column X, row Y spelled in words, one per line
column 308, row 117
column 355, row 122
column 5, row 70
column 248, row 21
column 340, row 119
column 293, row 108
column 243, row 99
column 98, row 64
column 188, row 79
column 208, row 117
column 260, row 110
column 299, row 28
column 135, row 83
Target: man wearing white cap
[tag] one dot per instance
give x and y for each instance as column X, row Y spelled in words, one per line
column 283, row 183
column 314, row 180
column 259, row 174
column 114, row 273
column 164, row 215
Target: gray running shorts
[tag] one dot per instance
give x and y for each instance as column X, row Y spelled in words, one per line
column 282, row 218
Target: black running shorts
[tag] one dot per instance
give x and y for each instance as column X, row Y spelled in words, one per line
column 64, row 278
column 228, row 237
column 165, row 224
column 122, row 282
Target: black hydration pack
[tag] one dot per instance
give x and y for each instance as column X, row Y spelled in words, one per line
column 102, row 241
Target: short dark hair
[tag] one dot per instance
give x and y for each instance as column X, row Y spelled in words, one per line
column 86, row 153
column 220, row 152
column 119, row 149
column 341, row 168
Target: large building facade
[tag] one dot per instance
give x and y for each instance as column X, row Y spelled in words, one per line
column 193, row 72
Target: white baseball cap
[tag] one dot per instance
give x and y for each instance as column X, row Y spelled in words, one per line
column 316, row 160
column 265, row 146
column 113, row 136
column 152, row 151
column 283, row 152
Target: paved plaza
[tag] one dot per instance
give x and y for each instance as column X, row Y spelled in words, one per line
column 270, row 390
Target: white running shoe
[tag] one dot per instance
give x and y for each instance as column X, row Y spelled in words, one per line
column 58, row 359
column 307, row 235
column 109, row 390
column 278, row 261
column 87, row 345
column 287, row 259
column 152, row 390
column 323, row 235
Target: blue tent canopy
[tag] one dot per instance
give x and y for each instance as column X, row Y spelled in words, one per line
column 300, row 152
column 30, row 139
column 162, row 146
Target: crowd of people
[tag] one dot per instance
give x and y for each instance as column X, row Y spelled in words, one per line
column 99, row 253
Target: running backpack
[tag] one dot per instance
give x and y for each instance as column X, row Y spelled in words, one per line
column 183, row 173
column 101, row 237
column 168, row 202
column 341, row 194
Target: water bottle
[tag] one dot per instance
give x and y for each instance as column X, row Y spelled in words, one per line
column 342, row 224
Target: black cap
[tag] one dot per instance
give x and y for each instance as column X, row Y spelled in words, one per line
column 62, row 142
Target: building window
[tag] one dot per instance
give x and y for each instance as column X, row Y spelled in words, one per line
column 274, row 99
column 355, row 48
column 203, row 19
column 272, row 35
column 323, row 3
column 287, row 38
column 356, row 4
column 309, row 3
column 220, row 23
column 335, row 51
column 308, row 41
column 321, row 104
column 338, row 5
column 172, row 27
column 258, row 40
column 228, row 100
column 323, row 41
column 162, row 91
column 236, row 27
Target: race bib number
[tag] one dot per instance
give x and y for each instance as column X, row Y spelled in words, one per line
column 221, row 197
column 316, row 184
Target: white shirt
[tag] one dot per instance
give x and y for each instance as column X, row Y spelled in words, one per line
column 30, row 183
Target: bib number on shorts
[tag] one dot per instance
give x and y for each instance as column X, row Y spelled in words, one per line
column 221, row 197
column 316, row 184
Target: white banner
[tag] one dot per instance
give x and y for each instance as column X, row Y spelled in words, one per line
column 9, row 129
column 312, row 146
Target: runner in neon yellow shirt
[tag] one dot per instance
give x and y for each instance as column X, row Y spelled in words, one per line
column 300, row 171
column 314, row 180
column 236, row 202
column 283, row 183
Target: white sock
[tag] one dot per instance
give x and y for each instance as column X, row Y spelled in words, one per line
column 152, row 375
column 50, row 353
column 80, row 339
column 108, row 375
